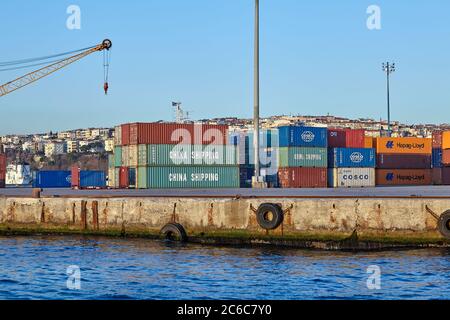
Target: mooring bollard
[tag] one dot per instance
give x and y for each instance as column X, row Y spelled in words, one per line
column 36, row 193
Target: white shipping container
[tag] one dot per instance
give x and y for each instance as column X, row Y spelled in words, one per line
column 118, row 136
column 133, row 156
column 351, row 177
column 111, row 177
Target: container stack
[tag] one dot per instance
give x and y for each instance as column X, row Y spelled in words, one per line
column 2, row 170
column 167, row 155
column 404, row 161
column 350, row 163
column 444, row 155
column 436, row 161
column 302, row 157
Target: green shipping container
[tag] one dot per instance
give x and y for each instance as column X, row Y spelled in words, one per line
column 142, row 177
column 191, row 155
column 118, row 156
column 193, row 177
column 303, row 157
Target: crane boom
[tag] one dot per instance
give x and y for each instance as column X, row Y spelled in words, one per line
column 45, row 71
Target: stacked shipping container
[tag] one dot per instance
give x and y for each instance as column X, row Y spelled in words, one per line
column 404, row 161
column 163, row 155
column 350, row 163
column 302, row 157
column 2, row 170
column 441, row 158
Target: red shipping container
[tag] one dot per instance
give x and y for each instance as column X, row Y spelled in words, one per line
column 302, row 177
column 124, row 178
column 403, row 161
column 446, row 157
column 445, row 176
column 125, row 128
column 2, row 167
column 346, row 138
column 404, row 177
column 437, row 176
column 437, row 139
column 173, row 133
column 75, row 177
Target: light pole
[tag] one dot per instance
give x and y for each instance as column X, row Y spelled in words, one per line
column 257, row 177
column 388, row 68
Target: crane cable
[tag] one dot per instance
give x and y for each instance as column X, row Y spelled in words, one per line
column 25, row 61
column 106, row 62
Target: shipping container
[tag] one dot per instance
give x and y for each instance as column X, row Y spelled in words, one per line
column 446, row 157
column 404, row 145
column 437, row 139
column 143, row 155
column 2, row 167
column 142, row 177
column 2, row 184
column 116, row 177
column 403, row 177
column 52, row 179
column 111, row 161
column 445, row 176
column 346, row 138
column 302, row 157
column 445, row 140
column 75, row 177
column 92, row 179
column 125, row 134
column 302, row 137
column 302, row 177
column 351, row 177
column 403, row 161
column 437, row 158
column 190, row 155
column 111, row 177
column 118, row 157
column 132, row 156
column 193, row 177
column 124, row 178
column 173, row 133
column 132, row 177
column 369, row 142
column 351, row 158
column 118, row 136
column 246, row 174
column 437, row 176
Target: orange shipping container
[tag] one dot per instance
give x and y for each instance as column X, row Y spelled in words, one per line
column 446, row 140
column 404, row 177
column 404, row 145
column 368, row 142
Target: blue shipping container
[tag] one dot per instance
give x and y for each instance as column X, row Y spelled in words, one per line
column 351, row 158
column 52, row 179
column 303, row 137
column 92, row 179
column 437, row 158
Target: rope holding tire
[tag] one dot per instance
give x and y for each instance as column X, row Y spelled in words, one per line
column 174, row 232
column 269, row 216
column 444, row 224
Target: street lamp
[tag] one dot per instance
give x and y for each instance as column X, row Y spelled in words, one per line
column 257, row 178
column 388, row 68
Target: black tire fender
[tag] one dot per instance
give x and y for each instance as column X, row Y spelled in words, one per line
column 174, row 232
column 444, row 224
column 269, row 216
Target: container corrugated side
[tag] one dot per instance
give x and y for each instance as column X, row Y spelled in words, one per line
column 111, row 161
column 188, row 155
column 118, row 136
column 302, row 157
column 92, row 179
column 116, row 183
column 173, row 133
column 437, row 176
column 404, row 145
column 142, row 177
column 369, row 142
column 437, row 139
column 446, row 157
column 437, row 158
column 111, row 177
column 346, row 138
column 302, row 177
column 132, row 155
column 143, row 155
column 403, row 161
column 302, row 137
column 2, row 167
column 124, row 177
column 445, row 176
column 351, row 158
column 403, row 177
column 351, row 177
column 193, row 177
column 445, row 140
column 125, row 134
column 118, row 156
column 125, row 156
column 52, row 179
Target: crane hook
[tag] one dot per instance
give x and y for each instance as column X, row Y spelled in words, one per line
column 106, row 87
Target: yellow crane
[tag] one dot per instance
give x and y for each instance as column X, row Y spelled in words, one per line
column 52, row 66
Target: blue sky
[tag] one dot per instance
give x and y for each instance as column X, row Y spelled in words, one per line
column 317, row 57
